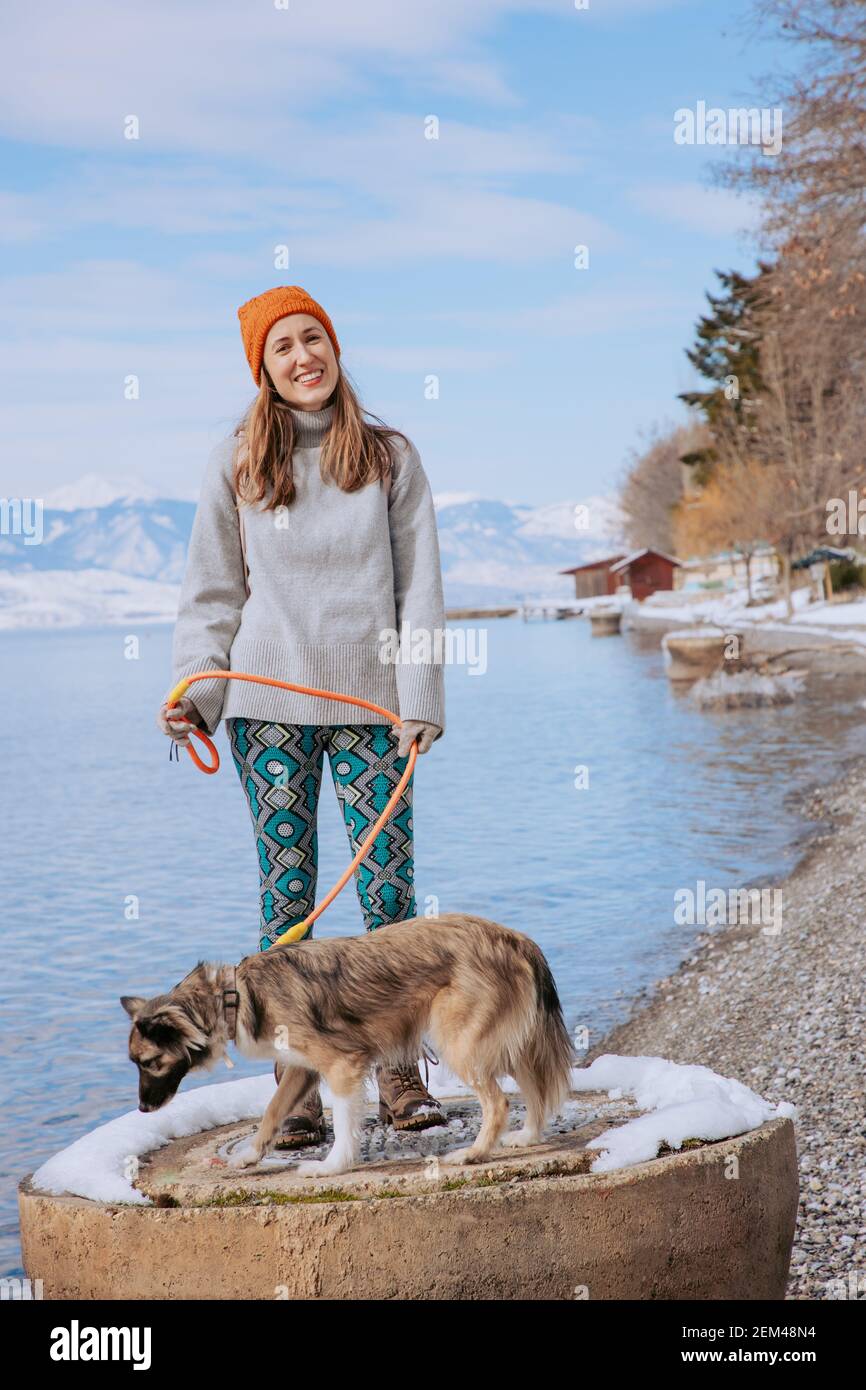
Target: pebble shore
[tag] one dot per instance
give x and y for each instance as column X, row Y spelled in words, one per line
column 786, row 1015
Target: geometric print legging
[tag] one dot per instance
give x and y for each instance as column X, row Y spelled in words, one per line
column 280, row 768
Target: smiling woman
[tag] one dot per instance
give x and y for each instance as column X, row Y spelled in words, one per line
column 340, row 548
column 294, row 356
column 301, row 361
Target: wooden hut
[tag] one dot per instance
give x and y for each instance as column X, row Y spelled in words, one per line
column 594, row 580
column 645, row 572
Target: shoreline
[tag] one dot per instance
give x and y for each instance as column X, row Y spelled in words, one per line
column 829, row 643
column 785, row 1015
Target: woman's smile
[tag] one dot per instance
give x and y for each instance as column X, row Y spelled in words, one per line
column 312, row 383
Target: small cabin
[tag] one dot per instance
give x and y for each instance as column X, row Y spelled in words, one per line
column 594, row 580
column 645, row 572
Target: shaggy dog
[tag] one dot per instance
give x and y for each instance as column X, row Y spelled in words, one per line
column 482, row 993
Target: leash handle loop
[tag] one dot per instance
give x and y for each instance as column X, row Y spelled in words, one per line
column 300, row 928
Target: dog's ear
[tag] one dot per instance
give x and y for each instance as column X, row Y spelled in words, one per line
column 172, row 1023
column 133, row 1003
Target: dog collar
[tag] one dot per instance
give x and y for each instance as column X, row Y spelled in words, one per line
column 231, row 1003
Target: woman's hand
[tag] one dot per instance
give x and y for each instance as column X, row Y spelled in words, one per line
column 183, row 716
column 412, row 729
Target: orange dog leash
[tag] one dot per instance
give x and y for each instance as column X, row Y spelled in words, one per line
column 299, row 929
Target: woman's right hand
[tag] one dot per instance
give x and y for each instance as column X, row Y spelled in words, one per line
column 183, row 716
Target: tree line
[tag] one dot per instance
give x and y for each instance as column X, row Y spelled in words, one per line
column 777, row 436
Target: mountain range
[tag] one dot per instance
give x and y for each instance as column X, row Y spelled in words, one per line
column 113, row 552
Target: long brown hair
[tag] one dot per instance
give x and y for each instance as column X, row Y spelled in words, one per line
column 354, row 452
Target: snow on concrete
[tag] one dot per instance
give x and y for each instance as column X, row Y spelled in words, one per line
column 686, row 1102
column 100, row 1164
column 683, row 1102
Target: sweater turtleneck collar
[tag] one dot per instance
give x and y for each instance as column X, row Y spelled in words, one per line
column 311, row 426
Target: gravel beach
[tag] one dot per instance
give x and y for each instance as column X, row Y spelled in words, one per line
column 785, row 1015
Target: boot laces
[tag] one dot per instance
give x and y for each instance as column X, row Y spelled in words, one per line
column 406, row 1078
column 408, row 1075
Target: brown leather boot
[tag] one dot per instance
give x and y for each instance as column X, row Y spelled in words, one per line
column 404, row 1100
column 306, row 1123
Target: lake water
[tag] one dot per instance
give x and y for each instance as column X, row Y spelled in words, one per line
column 92, row 811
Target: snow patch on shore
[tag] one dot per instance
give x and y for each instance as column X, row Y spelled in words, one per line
column 747, row 689
column 730, row 610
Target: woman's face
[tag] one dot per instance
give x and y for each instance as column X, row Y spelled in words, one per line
column 297, row 347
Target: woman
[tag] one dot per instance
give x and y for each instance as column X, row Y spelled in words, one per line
column 338, row 548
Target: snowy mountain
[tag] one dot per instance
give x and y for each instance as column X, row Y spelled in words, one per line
column 95, row 490
column 497, row 552
column 110, row 553
column 147, row 539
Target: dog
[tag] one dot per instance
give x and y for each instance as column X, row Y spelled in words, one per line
column 482, row 993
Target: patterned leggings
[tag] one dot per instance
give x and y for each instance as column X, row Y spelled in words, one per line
column 280, row 767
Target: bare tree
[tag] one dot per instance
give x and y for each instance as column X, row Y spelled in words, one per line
column 654, row 483
column 723, row 515
column 813, row 364
column 820, row 169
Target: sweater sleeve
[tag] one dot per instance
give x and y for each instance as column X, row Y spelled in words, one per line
column 213, row 591
column 418, row 593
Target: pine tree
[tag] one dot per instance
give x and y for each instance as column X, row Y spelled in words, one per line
column 726, row 353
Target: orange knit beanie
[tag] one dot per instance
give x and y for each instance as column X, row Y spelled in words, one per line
column 259, row 315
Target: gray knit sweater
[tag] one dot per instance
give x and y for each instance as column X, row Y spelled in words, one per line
column 327, row 576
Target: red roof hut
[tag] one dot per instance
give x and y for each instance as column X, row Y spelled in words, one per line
column 645, row 572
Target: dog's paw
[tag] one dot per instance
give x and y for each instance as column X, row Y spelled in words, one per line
column 519, row 1139
column 245, row 1157
column 317, row 1168
column 466, row 1155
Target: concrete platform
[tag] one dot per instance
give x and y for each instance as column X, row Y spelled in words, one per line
column 530, row 1224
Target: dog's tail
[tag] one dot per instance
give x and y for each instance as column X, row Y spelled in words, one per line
column 546, row 1054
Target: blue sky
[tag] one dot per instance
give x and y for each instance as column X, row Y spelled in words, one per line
column 450, row 258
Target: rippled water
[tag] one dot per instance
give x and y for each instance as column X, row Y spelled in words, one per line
column 92, row 811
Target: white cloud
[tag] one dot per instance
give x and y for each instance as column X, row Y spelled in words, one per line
column 714, row 211
column 228, row 77
column 586, row 311
column 452, row 499
column 417, row 197
column 456, row 224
